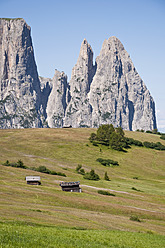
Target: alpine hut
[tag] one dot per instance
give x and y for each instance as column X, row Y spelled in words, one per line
column 70, row 186
column 33, row 180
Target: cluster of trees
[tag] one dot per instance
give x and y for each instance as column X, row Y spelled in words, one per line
column 110, row 136
column 42, row 169
column 114, row 137
column 18, row 164
column 90, row 175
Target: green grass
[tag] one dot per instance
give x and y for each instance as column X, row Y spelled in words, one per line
column 18, row 235
column 47, row 205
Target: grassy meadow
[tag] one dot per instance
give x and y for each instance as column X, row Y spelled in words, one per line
column 42, row 212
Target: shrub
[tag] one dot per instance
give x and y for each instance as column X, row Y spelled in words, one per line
column 162, row 136
column 133, row 188
column 91, row 176
column 79, row 166
column 93, row 137
column 131, row 141
column 82, row 171
column 19, row 164
column 135, row 218
column 6, row 163
column 148, row 131
column 103, row 192
column 107, row 162
column 135, row 178
column 156, row 146
column 106, row 177
column 43, row 169
column 53, row 173
column 61, row 174
column 95, row 143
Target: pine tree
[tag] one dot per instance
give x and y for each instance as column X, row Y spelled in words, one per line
column 106, row 177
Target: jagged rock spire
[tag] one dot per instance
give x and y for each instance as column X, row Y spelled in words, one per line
column 19, row 83
column 78, row 112
column 118, row 95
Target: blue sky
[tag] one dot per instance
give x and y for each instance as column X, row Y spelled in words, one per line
column 58, row 28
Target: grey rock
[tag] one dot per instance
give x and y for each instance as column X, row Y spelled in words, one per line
column 109, row 92
column 118, row 95
column 20, row 105
column 57, row 100
column 78, row 112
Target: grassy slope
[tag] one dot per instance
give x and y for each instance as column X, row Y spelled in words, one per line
column 61, row 150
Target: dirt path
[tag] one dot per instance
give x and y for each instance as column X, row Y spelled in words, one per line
column 112, row 190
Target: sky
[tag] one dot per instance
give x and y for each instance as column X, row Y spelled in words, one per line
column 58, row 28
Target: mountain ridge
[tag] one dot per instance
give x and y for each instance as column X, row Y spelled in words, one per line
column 111, row 91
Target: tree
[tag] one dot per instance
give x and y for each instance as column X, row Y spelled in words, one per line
column 106, row 177
column 78, row 167
column 104, row 132
column 120, row 131
column 91, row 176
column 20, row 164
column 93, row 137
column 115, row 142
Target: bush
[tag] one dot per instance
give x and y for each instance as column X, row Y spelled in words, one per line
column 93, row 137
column 82, row 171
column 135, row 218
column 156, row 146
column 133, row 188
column 162, row 136
column 91, row 176
column 79, row 166
column 43, row 169
column 107, row 162
column 103, row 192
column 130, row 141
column 135, row 178
column 6, row 163
column 19, row 164
column 106, row 177
column 148, row 131
column 61, row 174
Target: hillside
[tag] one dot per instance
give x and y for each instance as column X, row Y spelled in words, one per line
column 62, row 150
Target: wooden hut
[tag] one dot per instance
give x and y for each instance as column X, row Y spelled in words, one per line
column 33, row 180
column 71, row 186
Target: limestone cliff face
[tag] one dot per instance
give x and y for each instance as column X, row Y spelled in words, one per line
column 19, row 84
column 109, row 92
column 118, row 94
column 57, row 100
column 78, row 112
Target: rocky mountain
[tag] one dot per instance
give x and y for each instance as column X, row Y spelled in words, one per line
column 20, row 93
column 118, row 94
column 111, row 91
column 79, row 111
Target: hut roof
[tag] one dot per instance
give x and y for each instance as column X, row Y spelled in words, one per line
column 69, row 183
